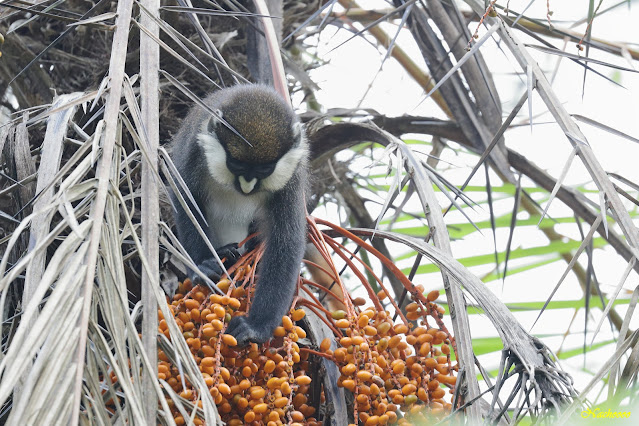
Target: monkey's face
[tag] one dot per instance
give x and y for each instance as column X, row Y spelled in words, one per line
column 254, row 142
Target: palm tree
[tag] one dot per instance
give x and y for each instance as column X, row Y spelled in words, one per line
column 88, row 249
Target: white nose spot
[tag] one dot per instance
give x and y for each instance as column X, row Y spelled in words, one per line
column 247, row 186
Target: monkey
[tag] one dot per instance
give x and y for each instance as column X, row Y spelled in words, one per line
column 246, row 167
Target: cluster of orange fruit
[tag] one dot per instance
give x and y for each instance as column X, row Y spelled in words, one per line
column 253, row 385
column 388, row 367
column 391, row 366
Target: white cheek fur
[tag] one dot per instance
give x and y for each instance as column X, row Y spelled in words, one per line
column 215, row 158
column 286, row 167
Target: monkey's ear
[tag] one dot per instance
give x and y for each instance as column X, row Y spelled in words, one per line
column 298, row 129
column 214, row 121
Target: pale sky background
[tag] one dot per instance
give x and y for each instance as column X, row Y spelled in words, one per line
column 352, row 67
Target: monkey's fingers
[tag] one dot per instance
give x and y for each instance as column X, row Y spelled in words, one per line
column 210, row 268
column 230, row 253
column 252, row 243
column 245, row 333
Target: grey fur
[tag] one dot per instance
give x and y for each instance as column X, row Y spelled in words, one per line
column 211, row 164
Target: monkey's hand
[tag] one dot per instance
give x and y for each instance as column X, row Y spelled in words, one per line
column 253, row 243
column 212, row 269
column 230, row 252
column 246, row 331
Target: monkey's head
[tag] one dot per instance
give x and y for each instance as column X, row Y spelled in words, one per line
column 255, row 141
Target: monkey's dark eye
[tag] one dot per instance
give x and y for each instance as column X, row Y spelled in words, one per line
column 249, row 171
column 264, row 170
column 237, row 167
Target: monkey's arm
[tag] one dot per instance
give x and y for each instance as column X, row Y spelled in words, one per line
column 191, row 240
column 187, row 158
column 188, row 234
column 285, row 225
column 196, row 246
